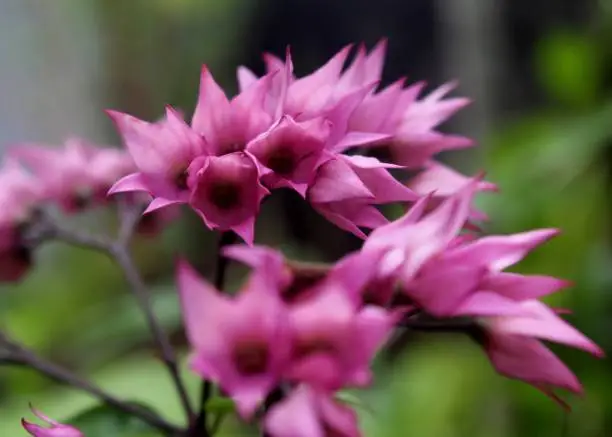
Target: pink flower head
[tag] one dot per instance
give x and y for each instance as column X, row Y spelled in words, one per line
column 335, row 338
column 308, row 412
column 227, row 192
column 229, row 125
column 511, row 341
column 77, row 174
column 162, row 152
column 290, row 152
column 19, row 194
column 346, row 188
column 52, row 428
column 241, row 343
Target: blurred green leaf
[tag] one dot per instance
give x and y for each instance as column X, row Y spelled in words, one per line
column 103, row 421
column 220, row 405
column 569, row 67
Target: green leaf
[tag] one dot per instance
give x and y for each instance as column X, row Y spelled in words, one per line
column 220, row 405
column 104, row 421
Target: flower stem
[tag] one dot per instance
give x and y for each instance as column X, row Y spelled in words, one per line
column 17, row 354
column 48, row 228
column 139, row 289
column 200, row 428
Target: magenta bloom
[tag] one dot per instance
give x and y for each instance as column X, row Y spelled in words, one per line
column 334, row 339
column 227, row 193
column 162, row 152
column 52, row 428
column 412, row 240
column 513, row 346
column 19, row 194
column 241, row 343
column 290, row 152
column 308, row 412
column 229, row 125
column 77, row 174
column 346, row 188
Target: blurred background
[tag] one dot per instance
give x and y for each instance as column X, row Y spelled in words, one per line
column 540, row 75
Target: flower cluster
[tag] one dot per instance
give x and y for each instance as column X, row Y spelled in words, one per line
column 281, row 131
column 296, row 334
column 73, row 177
column 311, row 333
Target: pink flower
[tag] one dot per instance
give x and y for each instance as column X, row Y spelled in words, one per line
column 308, row 412
column 240, row 343
column 346, row 188
column 162, row 152
column 227, row 193
column 290, row 152
column 229, row 125
column 19, row 195
column 335, row 338
column 511, row 342
column 415, row 238
column 77, row 174
column 53, row 428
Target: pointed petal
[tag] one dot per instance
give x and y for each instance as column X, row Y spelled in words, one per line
column 356, row 139
column 201, row 304
column 540, row 321
column 132, row 182
column 295, row 416
column 246, row 78
column 499, row 252
column 523, row 287
column 336, row 181
column 443, row 180
column 212, row 107
column 529, row 360
column 160, row 202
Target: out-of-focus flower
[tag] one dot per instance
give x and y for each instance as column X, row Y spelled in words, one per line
column 307, row 412
column 242, row 344
column 334, row 339
column 51, row 428
column 511, row 340
column 162, row 152
column 77, row 174
column 19, row 194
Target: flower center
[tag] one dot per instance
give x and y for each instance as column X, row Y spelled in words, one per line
column 251, row 358
column 224, row 195
column 282, row 161
column 180, row 180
